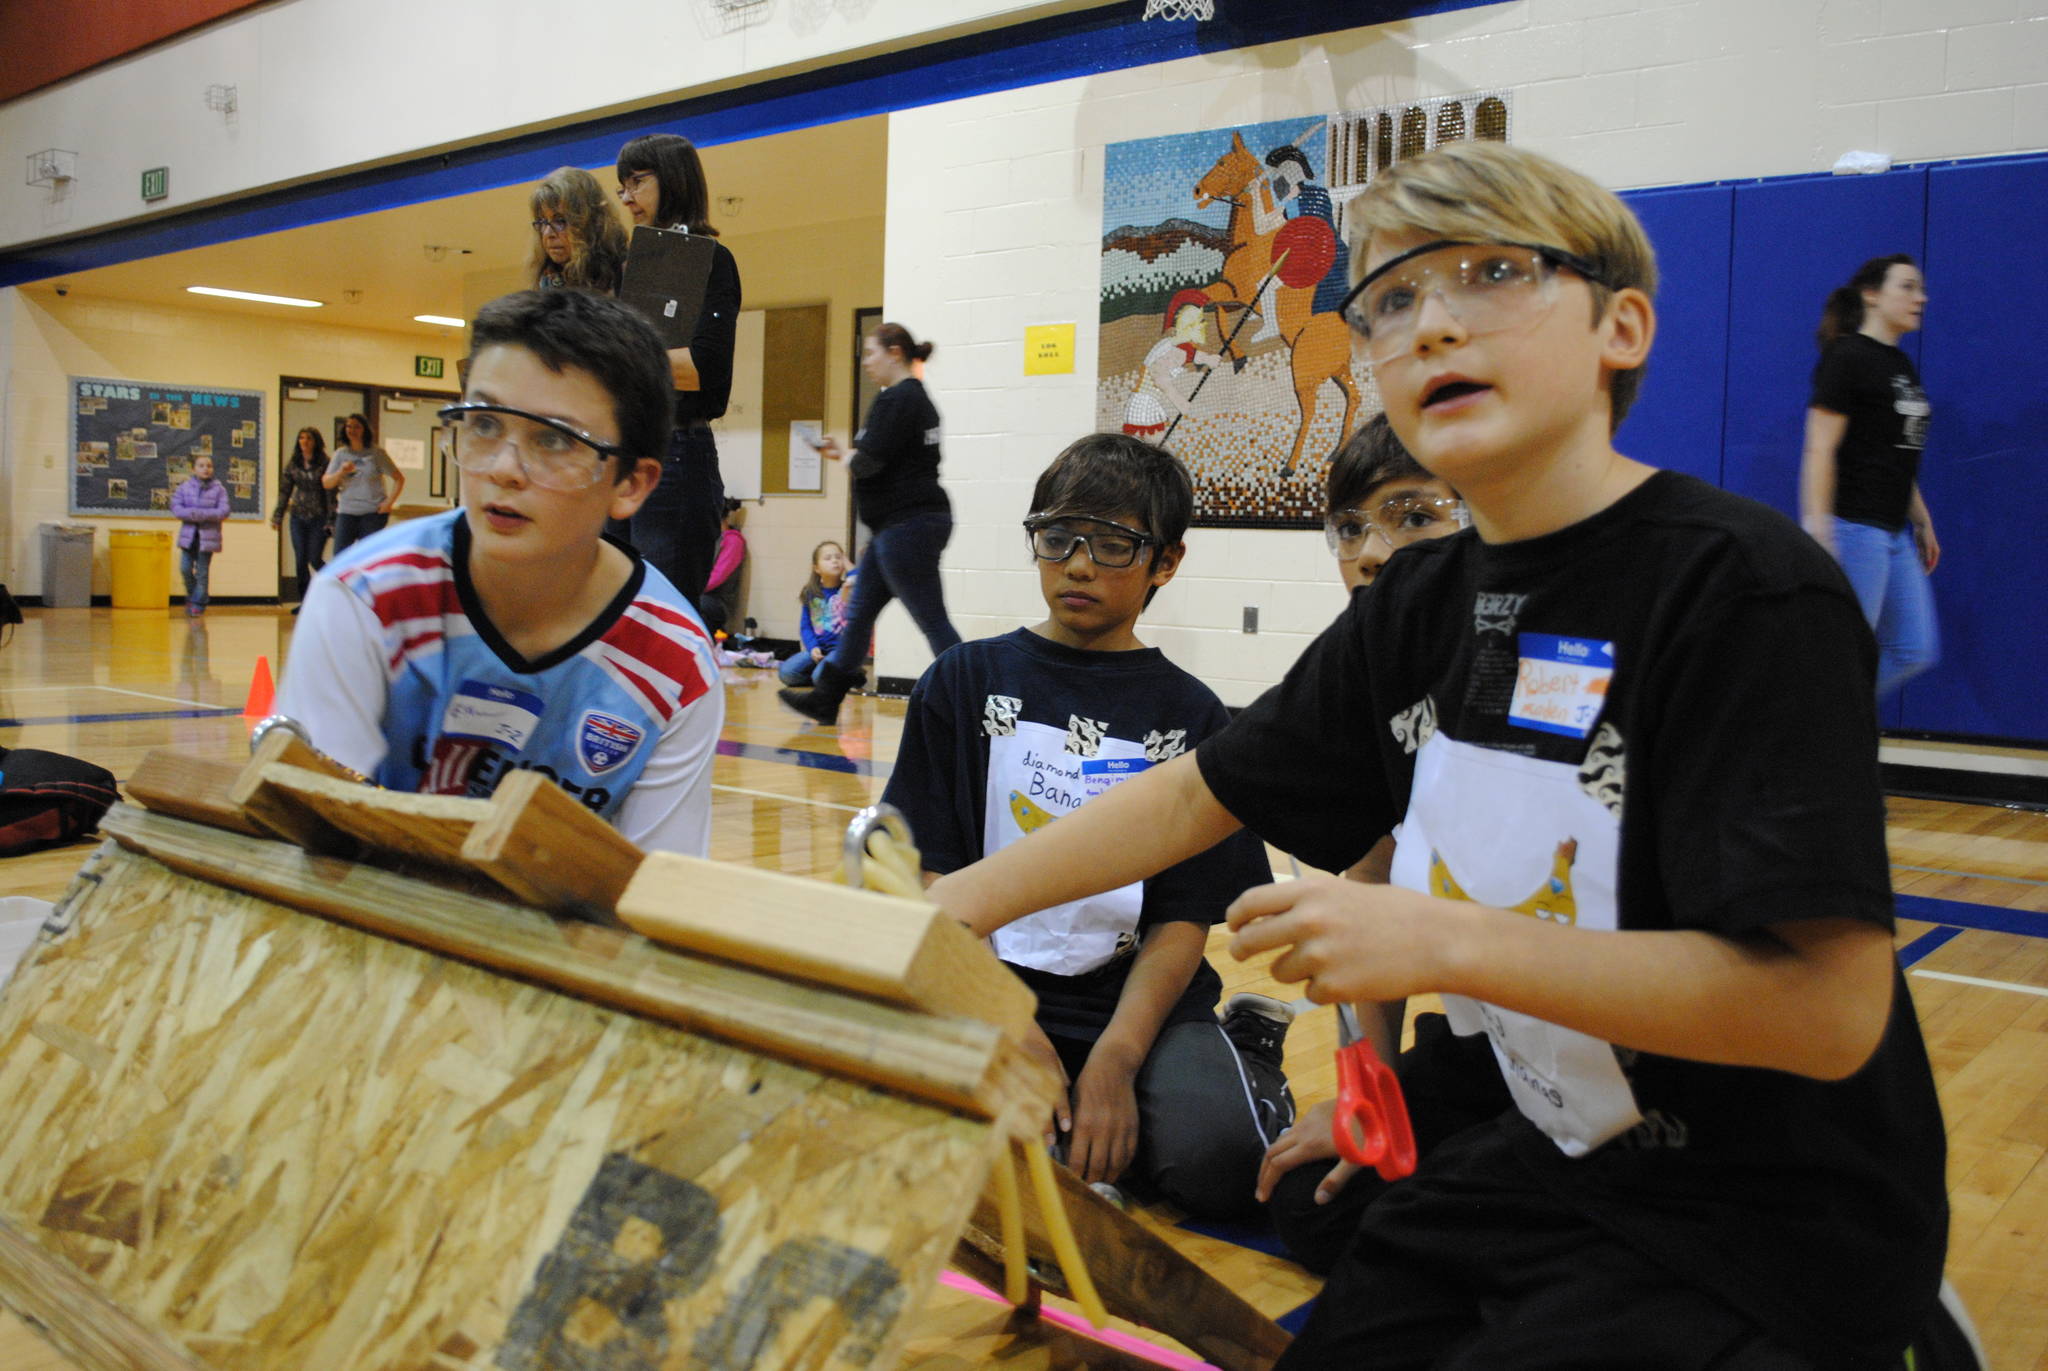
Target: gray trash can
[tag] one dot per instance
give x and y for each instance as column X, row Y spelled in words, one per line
column 67, row 566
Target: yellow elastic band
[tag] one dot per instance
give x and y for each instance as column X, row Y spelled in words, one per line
column 1016, row 1262
column 1079, row 1285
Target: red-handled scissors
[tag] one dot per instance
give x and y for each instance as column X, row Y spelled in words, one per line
column 1371, row 1127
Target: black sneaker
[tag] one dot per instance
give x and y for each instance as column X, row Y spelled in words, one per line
column 1257, row 1025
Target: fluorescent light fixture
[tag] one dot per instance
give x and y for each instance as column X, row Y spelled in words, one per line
column 443, row 320
column 251, row 295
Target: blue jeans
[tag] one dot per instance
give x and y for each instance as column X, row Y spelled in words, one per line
column 196, row 565
column 797, row 670
column 901, row 560
column 353, row 528
column 676, row 528
column 309, row 542
column 1883, row 568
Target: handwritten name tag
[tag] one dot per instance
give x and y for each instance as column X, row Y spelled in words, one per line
column 1560, row 683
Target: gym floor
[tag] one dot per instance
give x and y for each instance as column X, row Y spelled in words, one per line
column 111, row 685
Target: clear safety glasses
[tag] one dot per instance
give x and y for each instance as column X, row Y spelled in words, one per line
column 1486, row 287
column 554, row 455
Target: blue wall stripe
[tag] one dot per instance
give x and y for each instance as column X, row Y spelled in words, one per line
column 1057, row 48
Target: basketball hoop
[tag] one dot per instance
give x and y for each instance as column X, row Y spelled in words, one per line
column 1180, row 9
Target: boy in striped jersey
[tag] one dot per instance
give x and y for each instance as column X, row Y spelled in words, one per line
column 446, row 652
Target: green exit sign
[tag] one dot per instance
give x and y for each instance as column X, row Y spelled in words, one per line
column 156, row 183
column 427, row 366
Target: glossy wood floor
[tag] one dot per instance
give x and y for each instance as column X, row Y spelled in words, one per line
column 111, row 685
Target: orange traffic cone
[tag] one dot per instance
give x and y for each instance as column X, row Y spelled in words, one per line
column 261, row 692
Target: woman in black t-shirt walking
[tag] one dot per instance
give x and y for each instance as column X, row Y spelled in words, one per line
column 895, row 466
column 1859, row 487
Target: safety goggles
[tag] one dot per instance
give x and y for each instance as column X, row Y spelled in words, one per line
column 553, row 455
column 1486, row 287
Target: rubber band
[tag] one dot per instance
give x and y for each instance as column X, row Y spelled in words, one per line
column 1010, row 1204
column 1079, row 1284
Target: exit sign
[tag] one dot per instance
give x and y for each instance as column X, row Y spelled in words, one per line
column 427, row 366
column 156, row 183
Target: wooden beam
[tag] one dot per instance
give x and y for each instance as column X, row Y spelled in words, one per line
column 279, row 811
column 550, row 851
column 1139, row 1276
column 902, row 951
column 194, row 788
column 74, row 1315
column 957, row 1062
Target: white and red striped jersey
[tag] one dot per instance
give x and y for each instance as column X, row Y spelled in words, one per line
column 395, row 670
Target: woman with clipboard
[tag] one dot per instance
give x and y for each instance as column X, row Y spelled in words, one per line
column 661, row 184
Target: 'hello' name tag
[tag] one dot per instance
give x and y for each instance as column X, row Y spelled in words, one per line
column 1560, row 683
column 1100, row 773
column 485, row 713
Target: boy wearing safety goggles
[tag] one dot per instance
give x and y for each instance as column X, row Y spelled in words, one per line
column 1628, row 734
column 447, row 652
column 1007, row 734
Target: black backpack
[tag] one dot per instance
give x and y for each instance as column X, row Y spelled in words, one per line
column 48, row 799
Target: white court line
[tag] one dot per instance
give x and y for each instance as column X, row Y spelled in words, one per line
column 145, row 695
column 2041, row 990
column 791, row 799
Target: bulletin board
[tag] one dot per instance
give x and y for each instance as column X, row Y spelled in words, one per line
column 133, row 443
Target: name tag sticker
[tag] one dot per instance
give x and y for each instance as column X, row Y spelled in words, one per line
column 487, row 713
column 1561, row 683
column 1100, row 773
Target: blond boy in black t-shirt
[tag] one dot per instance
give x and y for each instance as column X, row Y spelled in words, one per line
column 1628, row 734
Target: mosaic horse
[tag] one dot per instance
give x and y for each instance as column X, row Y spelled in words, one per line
column 1318, row 345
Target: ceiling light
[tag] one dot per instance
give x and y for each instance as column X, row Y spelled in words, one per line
column 251, row 295
column 443, row 320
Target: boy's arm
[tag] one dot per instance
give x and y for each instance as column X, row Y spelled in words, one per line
column 334, row 680
column 1809, row 997
column 669, row 807
column 1136, row 829
column 1105, row 1119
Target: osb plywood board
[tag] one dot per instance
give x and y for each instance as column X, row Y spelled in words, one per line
column 273, row 1141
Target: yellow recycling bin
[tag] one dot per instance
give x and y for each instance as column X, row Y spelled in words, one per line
column 141, row 566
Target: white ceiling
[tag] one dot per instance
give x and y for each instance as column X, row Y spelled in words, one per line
column 807, row 176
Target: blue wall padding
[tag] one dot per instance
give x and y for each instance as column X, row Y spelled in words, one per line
column 1676, row 422
column 1795, row 240
column 1985, row 471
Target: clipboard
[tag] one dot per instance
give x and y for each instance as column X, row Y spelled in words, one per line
column 666, row 274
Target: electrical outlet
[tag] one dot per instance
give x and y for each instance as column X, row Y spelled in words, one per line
column 1251, row 618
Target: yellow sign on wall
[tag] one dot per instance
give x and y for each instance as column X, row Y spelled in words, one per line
column 1048, row 349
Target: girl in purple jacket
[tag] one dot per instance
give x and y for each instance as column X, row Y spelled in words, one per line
column 202, row 504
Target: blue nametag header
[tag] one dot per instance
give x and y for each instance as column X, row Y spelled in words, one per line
column 1113, row 767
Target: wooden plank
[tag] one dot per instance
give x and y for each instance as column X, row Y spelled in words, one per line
column 189, row 787
column 75, row 1318
column 550, row 851
column 961, row 1063
column 1138, row 1275
column 901, row 951
column 429, row 829
column 279, row 810
column 280, row 1143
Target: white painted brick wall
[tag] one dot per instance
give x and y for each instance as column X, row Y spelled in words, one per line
column 1635, row 92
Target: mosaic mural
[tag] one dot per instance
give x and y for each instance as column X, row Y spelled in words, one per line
column 1223, row 265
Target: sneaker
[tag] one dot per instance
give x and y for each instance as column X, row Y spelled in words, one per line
column 192, row 611
column 1257, row 1026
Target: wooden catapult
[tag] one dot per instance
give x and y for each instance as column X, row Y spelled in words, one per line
column 303, row 1075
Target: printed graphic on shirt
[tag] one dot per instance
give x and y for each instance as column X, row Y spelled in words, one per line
column 1560, row 683
column 1604, row 774
column 1164, row 747
column 1034, row 777
column 1520, row 833
column 1084, row 736
column 1496, row 612
column 999, row 715
column 1415, row 725
column 1910, row 403
column 604, row 740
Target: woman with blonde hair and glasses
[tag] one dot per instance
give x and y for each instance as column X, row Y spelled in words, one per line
column 578, row 240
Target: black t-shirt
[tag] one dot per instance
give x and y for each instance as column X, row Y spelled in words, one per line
column 711, row 346
column 1006, row 734
column 1659, row 718
column 895, row 462
column 1874, row 384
